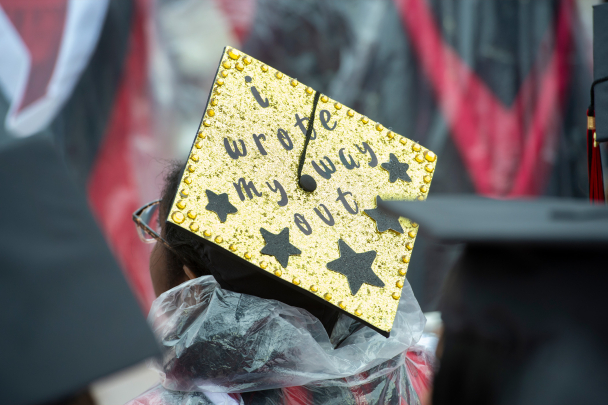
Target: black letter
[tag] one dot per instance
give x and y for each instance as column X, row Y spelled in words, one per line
column 352, row 164
column 236, row 152
column 256, row 94
column 264, row 103
column 256, row 138
column 325, row 116
column 278, row 187
column 342, row 199
column 326, row 172
column 330, row 220
column 284, row 139
column 302, row 223
column 303, row 128
column 367, row 148
column 248, row 187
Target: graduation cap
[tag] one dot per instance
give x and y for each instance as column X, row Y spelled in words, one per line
column 288, row 180
column 523, row 308
column 597, row 113
column 68, row 315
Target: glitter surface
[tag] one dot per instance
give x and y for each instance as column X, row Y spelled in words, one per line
column 261, row 112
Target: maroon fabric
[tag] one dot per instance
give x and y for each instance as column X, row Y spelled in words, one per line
column 501, row 147
column 594, row 164
column 112, row 187
column 40, row 25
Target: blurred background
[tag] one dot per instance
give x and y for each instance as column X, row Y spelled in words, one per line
column 498, row 89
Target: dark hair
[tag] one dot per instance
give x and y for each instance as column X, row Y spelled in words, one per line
column 188, row 247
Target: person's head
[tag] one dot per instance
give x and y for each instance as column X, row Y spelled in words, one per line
column 171, row 267
column 190, row 257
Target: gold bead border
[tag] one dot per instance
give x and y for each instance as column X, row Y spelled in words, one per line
column 423, row 156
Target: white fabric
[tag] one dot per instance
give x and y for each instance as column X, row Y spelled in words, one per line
column 84, row 20
column 220, row 398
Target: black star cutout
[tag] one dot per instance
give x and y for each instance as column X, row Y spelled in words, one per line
column 279, row 246
column 219, row 204
column 396, row 169
column 383, row 220
column 357, row 267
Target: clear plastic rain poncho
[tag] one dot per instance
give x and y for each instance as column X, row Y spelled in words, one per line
column 222, row 347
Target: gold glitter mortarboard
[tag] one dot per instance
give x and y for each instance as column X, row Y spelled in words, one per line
column 245, row 186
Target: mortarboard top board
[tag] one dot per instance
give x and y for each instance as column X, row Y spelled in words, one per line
column 68, row 315
column 240, row 189
column 600, row 70
column 480, row 220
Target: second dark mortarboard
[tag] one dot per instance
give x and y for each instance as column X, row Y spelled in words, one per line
column 288, row 181
column 480, row 220
column 597, row 113
column 68, row 315
column 524, row 307
column 600, row 70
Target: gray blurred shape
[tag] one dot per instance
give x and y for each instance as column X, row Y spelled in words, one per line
column 68, row 316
